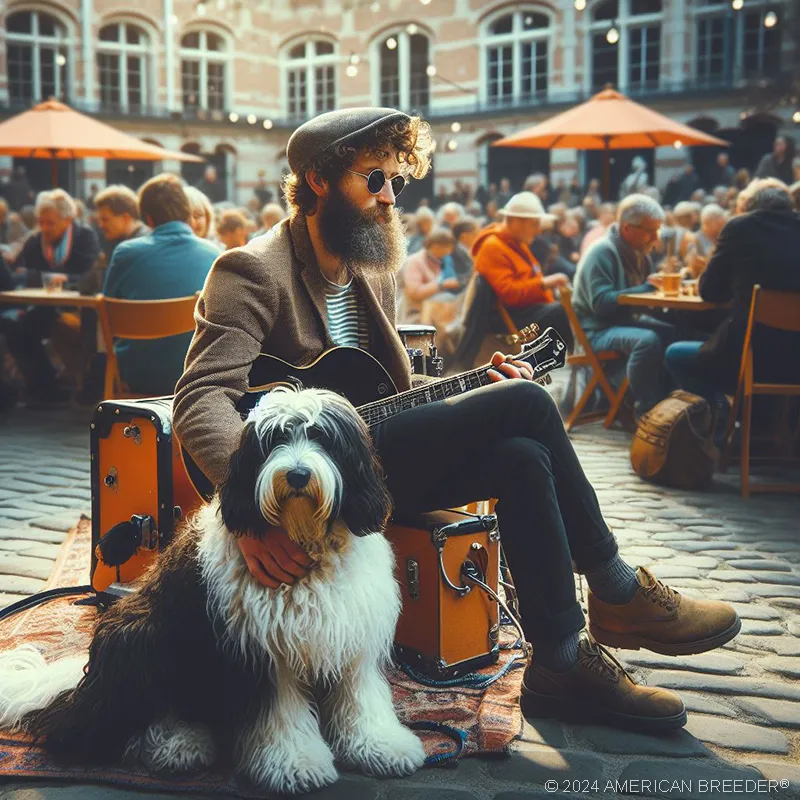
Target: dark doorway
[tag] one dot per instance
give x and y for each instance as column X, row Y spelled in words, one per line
column 192, row 171
column 40, row 173
column 620, row 161
column 704, row 159
column 516, row 164
column 130, row 173
column 756, row 139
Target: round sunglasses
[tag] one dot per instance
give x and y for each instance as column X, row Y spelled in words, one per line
column 376, row 180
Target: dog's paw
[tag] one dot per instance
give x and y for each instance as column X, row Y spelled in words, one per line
column 171, row 745
column 279, row 768
column 389, row 752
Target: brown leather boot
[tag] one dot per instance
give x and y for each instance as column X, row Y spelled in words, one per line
column 599, row 688
column 660, row 619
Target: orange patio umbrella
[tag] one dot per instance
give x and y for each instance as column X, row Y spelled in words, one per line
column 609, row 121
column 54, row 130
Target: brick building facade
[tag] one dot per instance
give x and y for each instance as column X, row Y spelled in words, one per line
column 230, row 79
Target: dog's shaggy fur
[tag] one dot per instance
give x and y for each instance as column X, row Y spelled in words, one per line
column 205, row 664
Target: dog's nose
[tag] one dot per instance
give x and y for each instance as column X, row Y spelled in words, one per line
column 298, row 477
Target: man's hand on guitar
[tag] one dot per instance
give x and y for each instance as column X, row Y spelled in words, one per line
column 274, row 558
column 505, row 368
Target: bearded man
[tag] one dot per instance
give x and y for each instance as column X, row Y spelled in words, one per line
column 326, row 277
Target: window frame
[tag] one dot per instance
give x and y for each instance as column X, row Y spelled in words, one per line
column 405, row 90
column 307, row 67
column 123, row 50
column 205, row 57
column 516, row 39
column 62, row 43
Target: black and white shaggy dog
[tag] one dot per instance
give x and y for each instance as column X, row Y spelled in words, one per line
column 204, row 664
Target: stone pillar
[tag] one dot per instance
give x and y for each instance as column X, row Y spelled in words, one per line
column 570, row 39
column 169, row 54
column 87, row 50
column 676, row 32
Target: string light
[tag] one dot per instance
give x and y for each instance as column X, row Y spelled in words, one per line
column 391, row 43
column 267, row 123
column 351, row 71
column 201, row 9
column 770, row 20
column 677, row 144
column 430, row 70
column 612, row 35
column 233, row 116
column 796, row 117
column 251, row 118
column 737, row 5
column 411, row 29
column 355, row 59
column 61, row 59
column 452, row 145
column 425, row 2
column 580, row 5
column 455, row 127
column 375, row 8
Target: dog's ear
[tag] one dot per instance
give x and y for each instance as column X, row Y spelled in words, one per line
column 366, row 503
column 237, row 493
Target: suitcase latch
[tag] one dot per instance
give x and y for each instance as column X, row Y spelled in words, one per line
column 132, row 432
column 110, row 480
column 147, row 528
column 412, row 578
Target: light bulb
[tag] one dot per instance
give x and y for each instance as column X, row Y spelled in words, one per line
column 267, row 123
column 430, row 70
column 351, row 71
column 677, row 144
column 612, row 36
column 251, row 118
column 411, row 29
column 233, row 116
column 173, row 20
column 737, row 5
column 796, row 117
column 355, row 59
column 452, row 145
column 375, row 8
column 201, row 9
column 425, row 2
column 455, row 127
column 61, row 59
column 580, row 5
column 391, row 43
column 770, row 20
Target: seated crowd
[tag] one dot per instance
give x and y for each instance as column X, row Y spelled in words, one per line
column 480, row 263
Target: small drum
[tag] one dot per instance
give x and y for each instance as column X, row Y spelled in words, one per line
column 420, row 344
column 449, row 625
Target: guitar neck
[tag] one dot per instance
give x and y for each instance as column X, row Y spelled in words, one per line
column 379, row 410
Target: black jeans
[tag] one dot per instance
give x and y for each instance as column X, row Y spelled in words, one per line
column 24, row 337
column 506, row 441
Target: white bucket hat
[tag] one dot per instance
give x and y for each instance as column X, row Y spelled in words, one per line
column 526, row 205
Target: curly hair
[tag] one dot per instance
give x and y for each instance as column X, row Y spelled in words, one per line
column 410, row 139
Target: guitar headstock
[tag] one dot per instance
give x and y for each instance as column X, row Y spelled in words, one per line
column 526, row 335
column 547, row 351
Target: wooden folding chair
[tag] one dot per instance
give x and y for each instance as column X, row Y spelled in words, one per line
column 772, row 309
column 589, row 358
column 139, row 319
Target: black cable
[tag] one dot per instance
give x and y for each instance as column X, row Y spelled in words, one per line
column 42, row 597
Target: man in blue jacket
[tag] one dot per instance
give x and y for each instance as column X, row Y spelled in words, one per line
column 168, row 262
column 620, row 263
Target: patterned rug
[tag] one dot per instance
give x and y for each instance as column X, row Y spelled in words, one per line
column 486, row 719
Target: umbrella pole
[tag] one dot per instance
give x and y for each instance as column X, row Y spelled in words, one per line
column 54, row 169
column 607, row 169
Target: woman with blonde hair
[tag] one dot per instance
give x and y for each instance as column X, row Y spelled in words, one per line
column 202, row 219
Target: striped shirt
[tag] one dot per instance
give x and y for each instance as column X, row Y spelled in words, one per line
column 347, row 319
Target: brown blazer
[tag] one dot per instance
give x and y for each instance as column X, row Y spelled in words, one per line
column 267, row 296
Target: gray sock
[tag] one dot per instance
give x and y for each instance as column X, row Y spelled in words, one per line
column 558, row 655
column 613, row 581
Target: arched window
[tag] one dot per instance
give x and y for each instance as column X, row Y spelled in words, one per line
column 631, row 60
column 38, row 56
column 403, row 60
column 310, row 78
column 122, row 64
column 204, row 64
column 515, row 53
column 734, row 45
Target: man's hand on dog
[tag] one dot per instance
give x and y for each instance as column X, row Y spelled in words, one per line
column 274, row 558
column 505, row 368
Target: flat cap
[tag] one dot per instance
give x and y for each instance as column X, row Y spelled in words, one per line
column 312, row 138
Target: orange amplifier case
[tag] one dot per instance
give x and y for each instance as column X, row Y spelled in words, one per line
column 140, row 488
column 449, row 625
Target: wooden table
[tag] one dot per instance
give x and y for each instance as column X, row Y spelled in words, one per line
column 41, row 297
column 657, row 299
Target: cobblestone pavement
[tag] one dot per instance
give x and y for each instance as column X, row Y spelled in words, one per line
column 744, row 699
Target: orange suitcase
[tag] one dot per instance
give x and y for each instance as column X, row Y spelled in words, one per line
column 448, row 626
column 140, row 489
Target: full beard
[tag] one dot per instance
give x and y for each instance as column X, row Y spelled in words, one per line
column 371, row 242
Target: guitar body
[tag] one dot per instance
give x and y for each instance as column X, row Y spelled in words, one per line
column 347, row 371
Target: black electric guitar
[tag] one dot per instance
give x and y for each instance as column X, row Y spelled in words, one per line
column 360, row 378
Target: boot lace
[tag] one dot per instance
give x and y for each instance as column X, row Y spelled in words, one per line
column 598, row 659
column 661, row 593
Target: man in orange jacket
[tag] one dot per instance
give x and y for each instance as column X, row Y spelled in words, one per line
column 503, row 257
